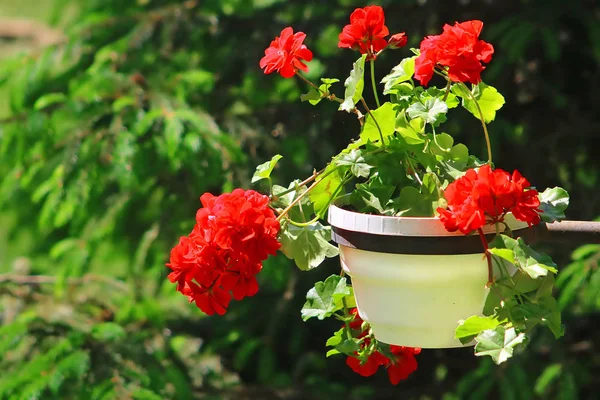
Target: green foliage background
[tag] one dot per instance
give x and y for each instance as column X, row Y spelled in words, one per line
column 108, row 139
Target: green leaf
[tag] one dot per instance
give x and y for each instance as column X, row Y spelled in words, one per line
column 332, row 352
column 495, row 300
column 442, row 144
column 544, row 311
column 412, row 203
column 356, row 162
column 545, row 287
column 550, row 374
column 568, row 387
column 325, row 298
column 63, row 247
column 248, row 348
column 375, row 195
column 433, row 111
column 348, row 346
column 487, row 97
column 324, row 193
column 400, row 73
column 473, row 326
column 538, row 264
column 329, row 81
column 144, row 123
column 354, row 84
column 553, row 203
column 507, row 254
column 313, row 96
column 173, row 134
column 336, row 338
column 308, row 246
column 198, row 80
column 498, row 343
column 108, row 332
column 385, row 117
column 123, row 102
column 144, row 394
column 524, row 257
column 585, row 251
column 525, row 283
column 263, row 171
column 48, row 100
column 410, row 131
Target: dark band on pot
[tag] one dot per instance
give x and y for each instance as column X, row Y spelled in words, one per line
column 421, row 245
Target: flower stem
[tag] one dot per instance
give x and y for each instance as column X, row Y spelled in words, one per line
column 328, row 96
column 304, row 182
column 489, row 258
column 364, row 103
column 483, row 125
column 447, row 90
column 296, row 201
column 412, row 167
column 346, row 322
column 303, row 224
column 372, row 62
column 301, row 195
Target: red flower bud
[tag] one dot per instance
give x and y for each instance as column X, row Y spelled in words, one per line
column 398, row 40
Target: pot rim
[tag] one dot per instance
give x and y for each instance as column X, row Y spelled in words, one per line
column 402, row 226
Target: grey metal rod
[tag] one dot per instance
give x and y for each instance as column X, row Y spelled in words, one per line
column 576, row 232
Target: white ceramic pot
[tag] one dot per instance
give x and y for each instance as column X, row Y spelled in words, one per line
column 413, row 281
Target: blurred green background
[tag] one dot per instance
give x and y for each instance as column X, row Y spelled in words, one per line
column 115, row 115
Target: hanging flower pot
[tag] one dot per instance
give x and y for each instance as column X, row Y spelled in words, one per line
column 413, row 280
column 428, row 232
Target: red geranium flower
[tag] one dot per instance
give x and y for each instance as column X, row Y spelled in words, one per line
column 286, row 53
column 403, row 364
column 369, row 367
column 458, row 50
column 242, row 222
column 234, row 233
column 366, row 31
column 488, row 195
column 210, row 300
column 399, row 367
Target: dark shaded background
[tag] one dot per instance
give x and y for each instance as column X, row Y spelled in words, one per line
column 111, row 134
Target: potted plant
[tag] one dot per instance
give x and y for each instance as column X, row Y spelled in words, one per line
column 431, row 236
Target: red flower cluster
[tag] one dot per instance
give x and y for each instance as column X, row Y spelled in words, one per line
column 488, row 193
column 367, row 31
column 234, row 233
column 398, row 368
column 458, row 49
column 286, row 53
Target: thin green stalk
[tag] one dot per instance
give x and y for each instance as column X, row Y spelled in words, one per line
column 303, row 224
column 488, row 256
column 483, row 125
column 348, row 330
column 301, row 196
column 364, row 103
column 504, row 272
column 328, row 96
column 304, row 182
column 296, row 200
column 445, row 150
column 412, row 167
column 372, row 62
column 447, row 90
